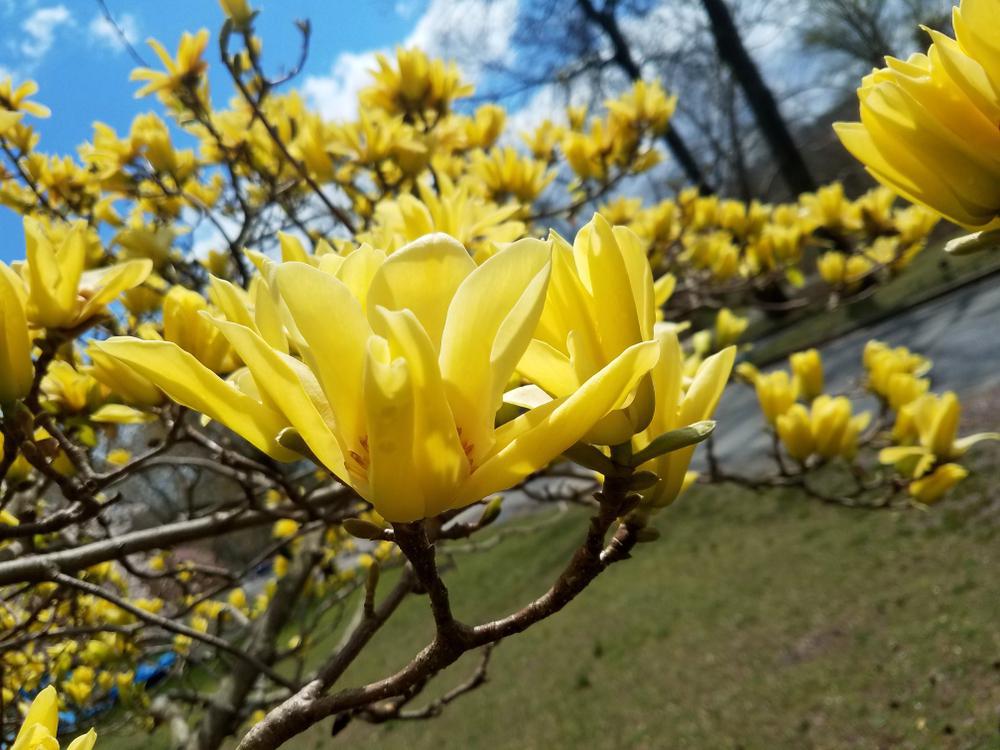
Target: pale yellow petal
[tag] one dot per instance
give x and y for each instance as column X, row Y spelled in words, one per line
column 490, row 322
column 422, row 277
column 188, row 382
column 285, row 392
column 336, row 332
column 532, row 440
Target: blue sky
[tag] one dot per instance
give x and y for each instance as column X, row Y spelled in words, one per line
column 82, row 69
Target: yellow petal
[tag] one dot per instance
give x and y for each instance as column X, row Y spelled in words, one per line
column 188, row 382
column 489, row 324
column 703, row 394
column 84, row 742
column 359, row 269
column 391, row 416
column 53, row 275
column 44, row 712
column 640, row 277
column 698, row 404
column 286, row 393
column 532, row 440
column 437, row 449
column 121, row 414
column 422, row 277
column 16, row 369
column 604, row 272
column 548, row 368
column 108, row 283
column 267, row 316
column 292, row 249
column 667, row 377
column 231, row 300
column 336, row 332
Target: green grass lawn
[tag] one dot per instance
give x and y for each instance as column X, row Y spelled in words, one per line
column 754, row 622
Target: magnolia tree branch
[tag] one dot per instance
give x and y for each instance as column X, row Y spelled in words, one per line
column 42, row 567
column 453, row 638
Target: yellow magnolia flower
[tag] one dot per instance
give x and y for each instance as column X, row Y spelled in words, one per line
column 146, row 242
column 41, row 723
column 829, row 207
column 60, row 293
column 827, row 429
column 477, row 223
column 728, row 327
column 645, row 105
column 795, row 432
column 237, row 598
column 185, row 326
column 883, row 362
column 285, row 527
column 504, row 172
column 775, row 392
column 415, row 85
column 69, row 390
column 599, row 303
column 834, row 429
column 928, row 125
column 16, row 368
column 807, row 373
column 932, row 487
column 838, row 269
column 933, row 419
column 238, row 10
column 398, row 398
column 677, row 407
column 16, row 99
column 904, row 388
column 184, row 72
column 119, row 457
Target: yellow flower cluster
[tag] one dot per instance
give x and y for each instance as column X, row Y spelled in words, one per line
column 827, row 428
column 925, row 443
column 400, row 401
column 708, row 240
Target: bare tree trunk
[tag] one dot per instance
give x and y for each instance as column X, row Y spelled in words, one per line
column 606, row 21
column 772, row 124
column 221, row 718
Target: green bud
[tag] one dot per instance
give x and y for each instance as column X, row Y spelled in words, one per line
column 589, row 457
column 362, row 529
column 291, row 439
column 492, row 511
column 674, row 441
column 974, row 243
column 643, row 480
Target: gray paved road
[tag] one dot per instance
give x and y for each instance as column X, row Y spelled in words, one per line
column 960, row 332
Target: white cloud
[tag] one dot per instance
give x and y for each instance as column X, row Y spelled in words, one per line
column 479, row 30
column 40, row 28
column 101, row 32
column 336, row 95
column 406, row 8
column 482, row 27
